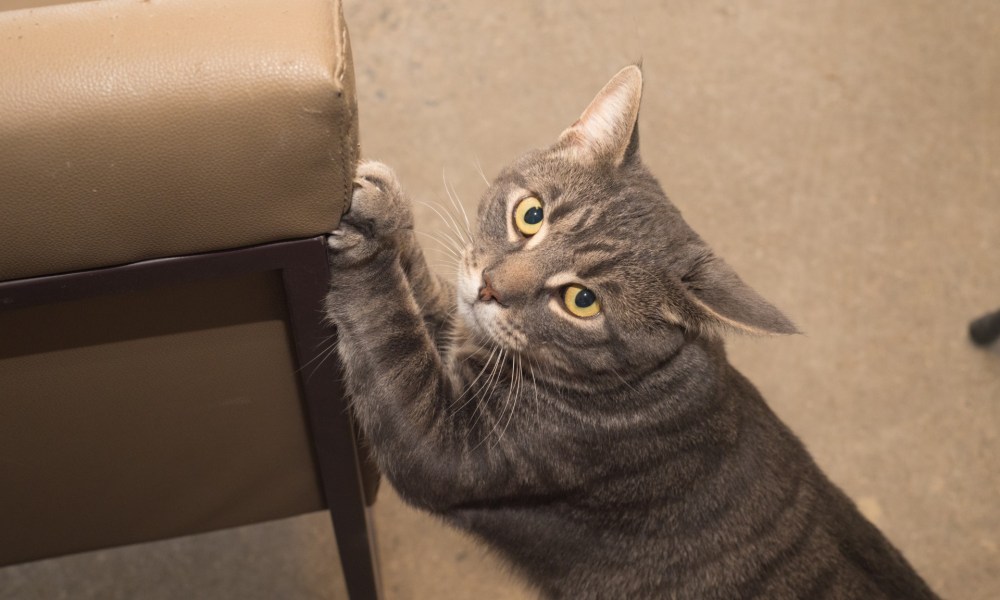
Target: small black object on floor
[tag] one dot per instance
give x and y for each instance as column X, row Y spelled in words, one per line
column 986, row 329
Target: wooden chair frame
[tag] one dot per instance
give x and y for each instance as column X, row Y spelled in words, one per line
column 305, row 276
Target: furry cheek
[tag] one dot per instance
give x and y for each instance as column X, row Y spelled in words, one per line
column 468, row 282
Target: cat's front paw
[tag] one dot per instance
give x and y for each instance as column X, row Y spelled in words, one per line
column 378, row 212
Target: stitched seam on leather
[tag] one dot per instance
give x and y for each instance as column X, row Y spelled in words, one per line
column 342, row 68
column 347, row 155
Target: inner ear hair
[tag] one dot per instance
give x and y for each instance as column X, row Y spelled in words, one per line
column 721, row 301
column 607, row 128
column 718, row 324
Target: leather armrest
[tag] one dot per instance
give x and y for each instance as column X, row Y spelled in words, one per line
column 136, row 130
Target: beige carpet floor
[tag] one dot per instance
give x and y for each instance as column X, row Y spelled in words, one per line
column 842, row 155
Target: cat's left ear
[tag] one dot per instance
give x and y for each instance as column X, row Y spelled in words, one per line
column 715, row 298
column 608, row 128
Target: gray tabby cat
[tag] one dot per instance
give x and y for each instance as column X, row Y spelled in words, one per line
column 568, row 400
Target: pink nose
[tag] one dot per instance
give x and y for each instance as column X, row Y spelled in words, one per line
column 486, row 292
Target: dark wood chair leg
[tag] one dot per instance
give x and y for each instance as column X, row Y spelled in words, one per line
column 340, row 464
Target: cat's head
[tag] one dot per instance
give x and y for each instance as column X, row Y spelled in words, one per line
column 581, row 262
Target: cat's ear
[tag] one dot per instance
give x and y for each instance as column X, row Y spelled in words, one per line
column 717, row 299
column 608, row 128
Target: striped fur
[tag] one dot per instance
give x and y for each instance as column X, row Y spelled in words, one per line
column 620, row 456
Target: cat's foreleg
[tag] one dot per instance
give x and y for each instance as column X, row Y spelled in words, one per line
column 400, row 387
column 434, row 296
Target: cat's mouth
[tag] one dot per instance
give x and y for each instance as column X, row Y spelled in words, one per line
column 470, row 309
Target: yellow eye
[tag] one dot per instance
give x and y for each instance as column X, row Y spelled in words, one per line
column 580, row 301
column 528, row 216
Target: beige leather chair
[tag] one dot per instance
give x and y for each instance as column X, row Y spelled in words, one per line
column 167, row 171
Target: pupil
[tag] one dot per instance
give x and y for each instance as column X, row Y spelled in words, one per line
column 584, row 299
column 533, row 216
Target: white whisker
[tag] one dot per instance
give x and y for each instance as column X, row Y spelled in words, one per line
column 513, row 408
column 468, row 388
column 534, row 388
column 453, row 243
column 449, row 221
column 503, row 408
column 453, row 196
column 447, row 246
column 325, row 355
column 479, row 168
column 439, row 267
column 487, row 390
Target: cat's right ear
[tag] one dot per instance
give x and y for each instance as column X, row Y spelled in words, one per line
column 607, row 129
